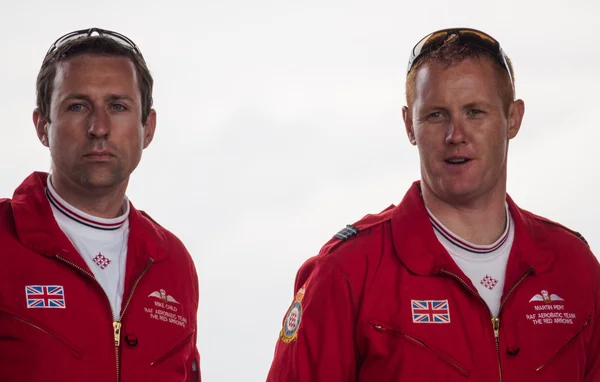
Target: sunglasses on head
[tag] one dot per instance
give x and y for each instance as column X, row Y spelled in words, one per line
column 119, row 38
column 465, row 35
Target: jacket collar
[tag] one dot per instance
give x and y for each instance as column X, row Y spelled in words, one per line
column 419, row 249
column 37, row 229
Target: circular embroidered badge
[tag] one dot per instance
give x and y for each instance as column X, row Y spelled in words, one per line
column 291, row 322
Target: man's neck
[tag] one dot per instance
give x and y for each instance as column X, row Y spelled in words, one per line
column 104, row 203
column 481, row 221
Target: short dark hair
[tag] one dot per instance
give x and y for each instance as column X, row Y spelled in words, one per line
column 454, row 51
column 95, row 45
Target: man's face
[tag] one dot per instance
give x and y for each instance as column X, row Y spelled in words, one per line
column 461, row 128
column 96, row 136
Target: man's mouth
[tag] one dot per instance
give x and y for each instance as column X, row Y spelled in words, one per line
column 457, row 160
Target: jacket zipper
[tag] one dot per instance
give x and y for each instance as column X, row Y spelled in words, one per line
column 495, row 320
column 116, row 324
column 564, row 346
column 461, row 369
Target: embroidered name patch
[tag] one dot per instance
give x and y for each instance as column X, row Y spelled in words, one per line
column 549, row 309
column 165, row 310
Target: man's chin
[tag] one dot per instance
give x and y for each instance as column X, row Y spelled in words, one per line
column 102, row 180
column 459, row 192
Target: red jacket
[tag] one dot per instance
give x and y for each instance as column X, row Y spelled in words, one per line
column 155, row 339
column 352, row 320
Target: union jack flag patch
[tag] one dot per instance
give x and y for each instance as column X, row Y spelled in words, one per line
column 45, row 296
column 430, row 311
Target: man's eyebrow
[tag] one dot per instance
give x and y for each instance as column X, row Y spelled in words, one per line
column 110, row 97
column 76, row 96
column 435, row 107
column 117, row 97
column 472, row 105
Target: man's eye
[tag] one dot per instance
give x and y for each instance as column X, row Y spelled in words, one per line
column 118, row 107
column 76, row 107
column 475, row 112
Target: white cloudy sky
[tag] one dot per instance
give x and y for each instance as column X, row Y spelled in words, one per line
column 280, row 121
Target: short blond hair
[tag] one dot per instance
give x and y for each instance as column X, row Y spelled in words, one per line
column 452, row 52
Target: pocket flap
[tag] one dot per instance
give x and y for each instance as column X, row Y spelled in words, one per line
column 14, row 324
column 386, row 329
column 173, row 347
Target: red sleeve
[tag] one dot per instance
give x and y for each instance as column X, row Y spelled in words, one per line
column 193, row 364
column 316, row 343
column 592, row 373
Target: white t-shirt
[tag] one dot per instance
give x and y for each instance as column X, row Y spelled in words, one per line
column 485, row 265
column 102, row 243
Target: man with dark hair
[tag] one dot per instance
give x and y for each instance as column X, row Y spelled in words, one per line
column 456, row 282
column 93, row 289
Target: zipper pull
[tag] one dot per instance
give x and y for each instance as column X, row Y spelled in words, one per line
column 117, row 331
column 496, row 324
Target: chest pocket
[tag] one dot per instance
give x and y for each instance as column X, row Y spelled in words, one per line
column 169, row 361
column 180, row 349
column 407, row 353
column 421, row 331
column 549, row 348
column 159, row 335
column 30, row 350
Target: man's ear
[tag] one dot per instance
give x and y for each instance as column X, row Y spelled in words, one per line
column 516, row 111
column 408, row 125
column 149, row 128
column 41, row 127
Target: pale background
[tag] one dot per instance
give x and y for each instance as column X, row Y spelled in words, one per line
column 280, row 121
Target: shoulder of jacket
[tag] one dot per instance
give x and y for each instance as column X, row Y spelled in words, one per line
column 334, row 254
column 367, row 222
column 169, row 239
column 4, row 203
column 362, row 226
column 560, row 226
column 152, row 221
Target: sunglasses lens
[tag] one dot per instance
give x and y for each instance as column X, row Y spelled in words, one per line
column 66, row 39
column 426, row 44
column 434, row 41
column 117, row 37
column 480, row 39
